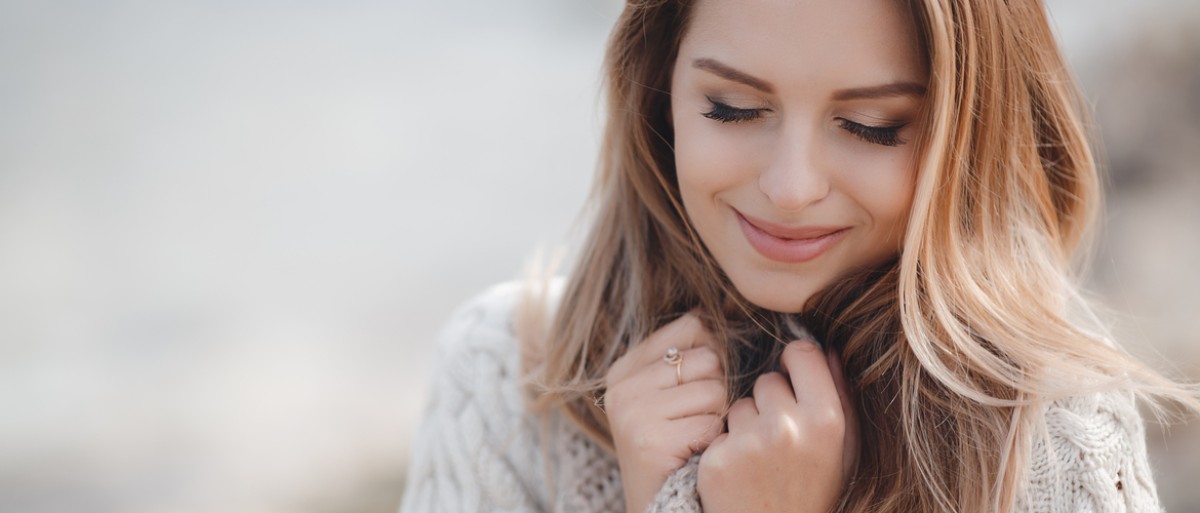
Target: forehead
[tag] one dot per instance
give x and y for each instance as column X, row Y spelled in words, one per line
column 807, row 43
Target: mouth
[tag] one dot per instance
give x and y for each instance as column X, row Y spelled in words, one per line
column 789, row 244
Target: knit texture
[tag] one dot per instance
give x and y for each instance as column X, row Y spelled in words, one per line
column 479, row 449
column 678, row 494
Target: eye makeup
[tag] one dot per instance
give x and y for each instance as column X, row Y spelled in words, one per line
column 728, row 114
column 887, row 135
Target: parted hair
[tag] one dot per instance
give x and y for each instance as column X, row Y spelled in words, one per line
column 951, row 349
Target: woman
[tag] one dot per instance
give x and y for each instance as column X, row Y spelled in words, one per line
column 907, row 183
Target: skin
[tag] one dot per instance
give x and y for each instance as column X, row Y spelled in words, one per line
column 797, row 163
column 657, row 424
column 799, row 154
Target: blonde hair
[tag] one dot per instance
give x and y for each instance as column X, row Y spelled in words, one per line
column 953, row 348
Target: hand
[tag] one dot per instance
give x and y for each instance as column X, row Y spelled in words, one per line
column 790, row 447
column 656, row 422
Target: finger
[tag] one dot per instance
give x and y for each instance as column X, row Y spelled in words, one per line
column 714, row 458
column 694, row 365
column 850, row 441
column 838, row 375
column 809, row 372
column 695, row 398
column 717, row 442
column 772, row 392
column 741, row 415
column 682, row 333
column 699, row 430
column 677, row 334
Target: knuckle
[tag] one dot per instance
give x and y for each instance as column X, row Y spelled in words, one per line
column 687, row 323
column 758, row 446
column 767, row 379
column 783, row 429
column 799, row 434
column 829, row 420
column 713, row 463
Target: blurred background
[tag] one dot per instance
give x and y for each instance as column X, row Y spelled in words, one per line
column 231, row 230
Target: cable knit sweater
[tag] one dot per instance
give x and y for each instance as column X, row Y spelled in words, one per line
column 478, row 448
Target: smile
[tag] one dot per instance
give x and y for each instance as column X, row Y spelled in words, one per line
column 789, row 244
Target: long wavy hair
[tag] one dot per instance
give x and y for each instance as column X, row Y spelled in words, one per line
column 953, row 348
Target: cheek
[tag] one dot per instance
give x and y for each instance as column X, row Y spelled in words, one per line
column 710, row 158
column 885, row 189
column 878, row 182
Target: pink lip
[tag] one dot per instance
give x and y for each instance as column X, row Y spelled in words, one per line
column 786, row 243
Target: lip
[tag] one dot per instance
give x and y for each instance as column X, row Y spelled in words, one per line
column 789, row 244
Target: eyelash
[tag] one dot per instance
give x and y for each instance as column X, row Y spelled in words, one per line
column 881, row 135
column 726, row 114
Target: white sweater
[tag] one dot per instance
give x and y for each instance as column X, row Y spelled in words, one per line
column 478, row 448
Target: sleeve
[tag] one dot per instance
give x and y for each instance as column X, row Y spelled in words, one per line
column 1092, row 459
column 475, row 450
column 678, row 494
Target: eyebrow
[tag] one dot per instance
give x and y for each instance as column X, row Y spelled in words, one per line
column 880, row 91
column 857, row 93
column 728, row 73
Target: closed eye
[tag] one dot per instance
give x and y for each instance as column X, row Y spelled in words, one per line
column 882, row 135
column 726, row 114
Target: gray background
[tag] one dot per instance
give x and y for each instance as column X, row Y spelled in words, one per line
column 230, row 230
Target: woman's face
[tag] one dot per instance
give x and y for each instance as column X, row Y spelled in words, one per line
column 795, row 128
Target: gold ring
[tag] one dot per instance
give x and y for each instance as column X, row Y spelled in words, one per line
column 674, row 357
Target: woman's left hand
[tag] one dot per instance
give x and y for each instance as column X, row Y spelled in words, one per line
column 791, row 447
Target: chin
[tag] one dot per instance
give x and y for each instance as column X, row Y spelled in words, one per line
column 776, row 294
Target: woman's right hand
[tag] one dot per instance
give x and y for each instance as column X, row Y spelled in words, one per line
column 656, row 422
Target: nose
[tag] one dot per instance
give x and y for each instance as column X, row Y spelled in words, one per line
column 796, row 176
